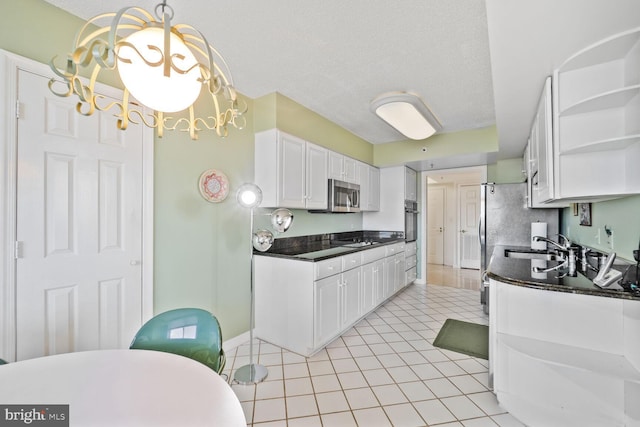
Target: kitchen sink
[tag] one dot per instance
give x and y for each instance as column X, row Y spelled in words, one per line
column 532, row 254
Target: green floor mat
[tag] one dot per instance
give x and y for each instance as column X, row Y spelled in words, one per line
column 464, row 337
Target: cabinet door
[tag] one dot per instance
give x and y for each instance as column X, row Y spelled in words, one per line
column 291, row 172
column 336, row 167
column 316, row 177
column 368, row 289
column 374, row 189
column 411, row 185
column 544, row 188
column 372, row 285
column 400, row 279
column 351, row 281
column 362, row 178
column 389, row 271
column 349, row 170
column 327, row 315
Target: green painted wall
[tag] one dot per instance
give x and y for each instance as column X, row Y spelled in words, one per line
column 440, row 145
column 277, row 111
column 506, row 171
column 201, row 248
column 622, row 216
column 36, row 29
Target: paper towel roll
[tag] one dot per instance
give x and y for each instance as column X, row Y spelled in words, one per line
column 538, row 229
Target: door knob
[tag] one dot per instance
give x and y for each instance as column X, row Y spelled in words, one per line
column 463, row 231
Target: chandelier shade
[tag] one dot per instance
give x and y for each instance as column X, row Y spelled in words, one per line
column 136, row 59
column 164, row 67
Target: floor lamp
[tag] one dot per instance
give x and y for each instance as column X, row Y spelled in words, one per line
column 250, row 196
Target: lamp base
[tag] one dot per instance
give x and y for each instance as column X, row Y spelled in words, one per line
column 251, row 374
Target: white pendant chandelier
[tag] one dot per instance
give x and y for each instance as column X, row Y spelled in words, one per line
column 164, row 67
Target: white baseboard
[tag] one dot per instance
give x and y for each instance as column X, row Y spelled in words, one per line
column 237, row 341
column 420, row 282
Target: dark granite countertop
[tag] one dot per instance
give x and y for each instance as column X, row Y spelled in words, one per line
column 518, row 272
column 319, row 247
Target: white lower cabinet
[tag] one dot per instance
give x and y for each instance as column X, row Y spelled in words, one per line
column 372, row 285
column 564, row 359
column 394, row 269
column 411, row 262
column 327, row 307
column 302, row 305
column 336, row 304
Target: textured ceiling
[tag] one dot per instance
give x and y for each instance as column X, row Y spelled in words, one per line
column 335, row 56
column 475, row 65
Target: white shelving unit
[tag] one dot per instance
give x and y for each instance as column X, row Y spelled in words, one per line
column 596, row 95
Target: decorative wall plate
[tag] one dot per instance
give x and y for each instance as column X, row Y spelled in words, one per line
column 214, row 185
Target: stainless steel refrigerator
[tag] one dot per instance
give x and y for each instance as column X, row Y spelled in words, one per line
column 505, row 219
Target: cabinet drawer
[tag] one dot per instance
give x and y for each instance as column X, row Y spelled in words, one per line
column 371, row 255
column 328, row 267
column 394, row 249
column 411, row 261
column 351, row 261
column 410, row 248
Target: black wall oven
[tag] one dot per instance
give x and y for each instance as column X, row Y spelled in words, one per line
column 410, row 220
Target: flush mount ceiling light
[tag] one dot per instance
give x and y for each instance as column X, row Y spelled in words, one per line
column 407, row 114
column 163, row 67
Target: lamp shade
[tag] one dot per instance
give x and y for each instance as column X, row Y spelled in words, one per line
column 262, row 240
column 406, row 113
column 138, row 57
column 281, row 219
column 249, row 195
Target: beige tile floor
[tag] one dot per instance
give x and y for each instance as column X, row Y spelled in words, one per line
column 382, row 372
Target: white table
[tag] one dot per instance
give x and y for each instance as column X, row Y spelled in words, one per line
column 124, row 388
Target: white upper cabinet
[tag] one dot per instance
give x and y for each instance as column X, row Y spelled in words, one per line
column 597, row 120
column 410, row 185
column 316, row 187
column 291, row 172
column 539, row 156
column 342, row 168
column 369, row 180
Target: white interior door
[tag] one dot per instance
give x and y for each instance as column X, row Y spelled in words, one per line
column 435, row 214
column 79, row 226
column 469, row 203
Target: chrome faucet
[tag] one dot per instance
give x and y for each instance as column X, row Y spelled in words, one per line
column 585, row 260
column 562, row 246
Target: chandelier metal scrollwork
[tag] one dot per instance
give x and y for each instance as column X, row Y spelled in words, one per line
column 163, row 67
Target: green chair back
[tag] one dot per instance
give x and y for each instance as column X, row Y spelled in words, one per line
column 189, row 332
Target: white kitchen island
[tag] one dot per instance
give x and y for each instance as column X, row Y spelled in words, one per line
column 561, row 357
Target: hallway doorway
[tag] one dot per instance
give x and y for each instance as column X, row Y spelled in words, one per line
column 450, row 220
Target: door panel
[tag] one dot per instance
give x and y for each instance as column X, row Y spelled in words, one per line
column 469, row 198
column 79, row 216
column 435, row 215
